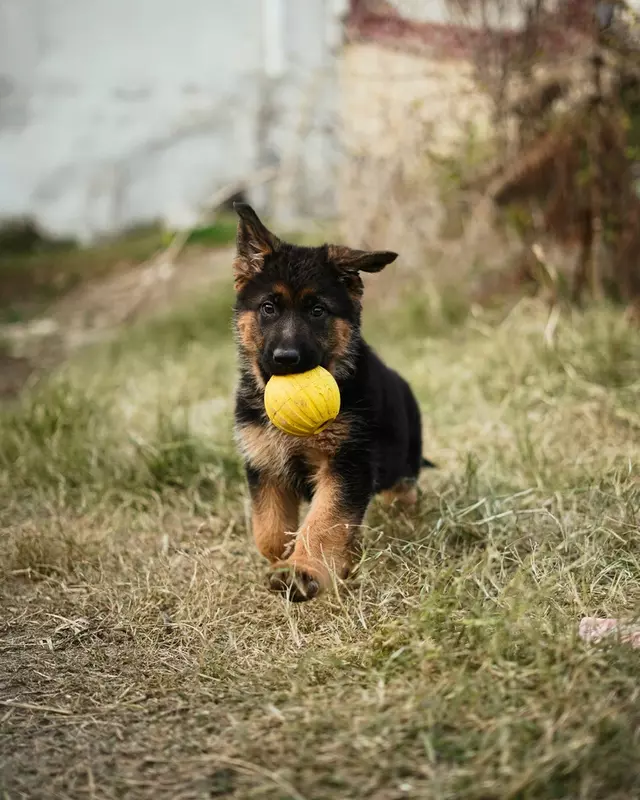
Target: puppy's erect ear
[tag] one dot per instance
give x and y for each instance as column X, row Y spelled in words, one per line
column 254, row 242
column 354, row 261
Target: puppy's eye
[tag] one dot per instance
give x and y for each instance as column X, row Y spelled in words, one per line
column 318, row 311
column 268, row 309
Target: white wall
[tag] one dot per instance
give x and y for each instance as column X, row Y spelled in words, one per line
column 116, row 112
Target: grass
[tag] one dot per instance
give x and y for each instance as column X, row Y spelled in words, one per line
column 141, row 655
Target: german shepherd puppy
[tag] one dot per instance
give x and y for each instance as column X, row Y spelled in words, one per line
column 297, row 308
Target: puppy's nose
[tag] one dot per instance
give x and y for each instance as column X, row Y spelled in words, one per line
column 286, row 356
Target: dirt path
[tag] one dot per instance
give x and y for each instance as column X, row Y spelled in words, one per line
column 95, row 310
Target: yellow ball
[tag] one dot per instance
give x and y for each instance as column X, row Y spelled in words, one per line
column 302, row 404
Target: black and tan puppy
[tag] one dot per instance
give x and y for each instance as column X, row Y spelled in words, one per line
column 298, row 308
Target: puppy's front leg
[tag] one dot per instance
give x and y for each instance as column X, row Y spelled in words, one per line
column 343, row 489
column 274, row 514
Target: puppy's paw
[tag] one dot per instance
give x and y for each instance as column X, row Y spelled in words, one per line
column 298, row 583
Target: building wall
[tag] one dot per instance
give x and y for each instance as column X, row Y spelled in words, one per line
column 401, row 114
column 391, row 100
column 118, row 113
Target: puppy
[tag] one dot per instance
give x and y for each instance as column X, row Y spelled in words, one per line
column 298, row 308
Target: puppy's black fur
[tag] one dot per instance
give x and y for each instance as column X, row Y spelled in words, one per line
column 298, row 308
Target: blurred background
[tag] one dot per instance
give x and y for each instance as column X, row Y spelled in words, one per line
column 493, row 143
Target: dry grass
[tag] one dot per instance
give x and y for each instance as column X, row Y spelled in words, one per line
column 141, row 656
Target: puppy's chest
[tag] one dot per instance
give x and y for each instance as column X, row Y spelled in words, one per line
column 270, row 450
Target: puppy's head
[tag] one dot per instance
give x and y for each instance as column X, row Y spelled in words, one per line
column 297, row 307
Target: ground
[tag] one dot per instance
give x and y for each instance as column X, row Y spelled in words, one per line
column 141, row 655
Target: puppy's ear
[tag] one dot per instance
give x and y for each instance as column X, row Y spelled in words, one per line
column 354, row 261
column 254, row 242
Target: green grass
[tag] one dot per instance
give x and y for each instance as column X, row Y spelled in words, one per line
column 144, row 657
